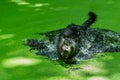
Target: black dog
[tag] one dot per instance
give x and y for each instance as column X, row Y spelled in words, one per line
column 76, row 42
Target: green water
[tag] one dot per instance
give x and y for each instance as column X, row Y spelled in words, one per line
column 20, row 19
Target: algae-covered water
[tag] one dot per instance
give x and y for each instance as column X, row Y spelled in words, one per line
column 21, row 19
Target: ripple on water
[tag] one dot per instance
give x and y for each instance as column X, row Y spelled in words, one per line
column 19, row 61
column 6, row 36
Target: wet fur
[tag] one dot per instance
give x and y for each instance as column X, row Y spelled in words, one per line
column 85, row 42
